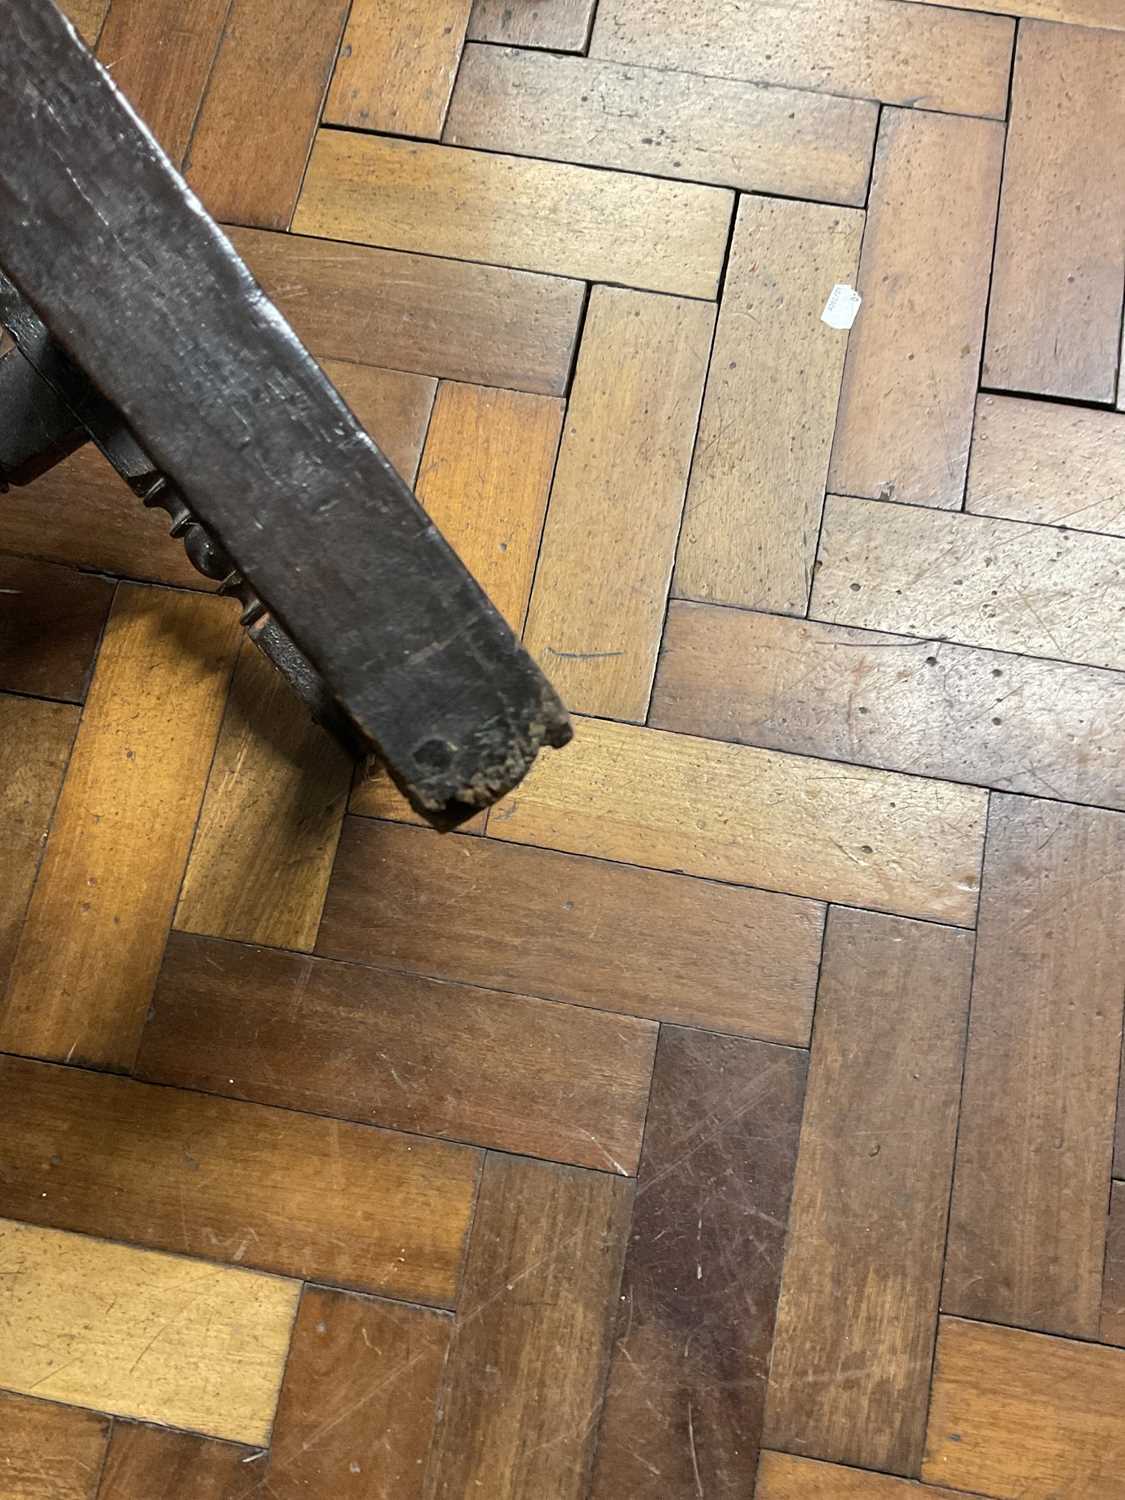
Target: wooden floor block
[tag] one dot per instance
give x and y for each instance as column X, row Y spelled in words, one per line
column 871, row 49
column 49, row 1452
column 160, row 55
column 757, row 485
column 87, row 17
column 394, row 407
column 1104, row 13
column 1028, row 1225
column 1020, row 1416
column 35, row 741
column 1112, row 1328
column 1054, row 322
column 1057, row 465
column 397, row 65
column 999, row 584
column 956, row 713
column 248, row 151
column 781, row 1476
column 82, row 975
column 401, row 1051
column 484, row 483
column 562, row 25
column 595, row 619
column 128, row 1331
column 215, row 1178
column 418, row 313
column 687, row 1381
column 83, row 513
column 270, row 819
column 359, row 1399
column 716, row 130
column 144, row 1462
column 51, row 621
column 906, row 407
column 569, row 928
column 855, row 1324
column 534, row 215
column 753, row 817
column 527, row 1360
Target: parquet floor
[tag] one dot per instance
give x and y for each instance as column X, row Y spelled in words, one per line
column 732, row 1113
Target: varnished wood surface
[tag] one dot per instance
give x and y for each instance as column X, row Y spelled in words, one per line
column 97, row 1324
column 420, row 313
column 809, row 828
column 594, row 623
column 1025, row 1417
column 888, row 700
column 1054, row 318
column 699, row 129
column 539, row 216
column 483, row 1163
column 48, row 1451
column 686, row 1390
column 757, row 484
column 450, row 1044
column 854, row 1343
column 906, row 408
column 1034, row 1151
column 574, row 929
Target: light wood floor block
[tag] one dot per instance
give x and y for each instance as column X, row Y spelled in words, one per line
column 505, row 211
column 140, row 1334
column 728, row 812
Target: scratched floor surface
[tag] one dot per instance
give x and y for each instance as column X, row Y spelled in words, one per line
column 732, row 1113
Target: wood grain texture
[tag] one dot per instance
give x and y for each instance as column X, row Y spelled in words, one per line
column 35, row 741
column 782, row 1476
column 1043, row 728
column 419, row 313
column 374, row 795
column 358, row 1401
column 575, row 929
column 128, row 1331
column 401, row 1051
column 270, row 820
column 397, row 66
column 160, row 54
column 1025, row 1417
column 532, row 215
column 49, row 1452
column 91, row 945
column 147, row 1461
column 999, row 584
column 562, row 25
column 687, row 1381
column 215, row 1178
column 394, row 407
column 1028, row 1224
column 1104, row 13
column 527, row 1360
column 716, row 130
column 856, row 1319
column 757, row 485
column 596, row 615
column 87, row 16
column 906, row 407
column 871, row 49
column 1112, row 1329
column 82, row 513
column 1054, row 322
column 247, row 156
column 51, row 621
column 484, row 481
column 728, row 812
column 1057, row 465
